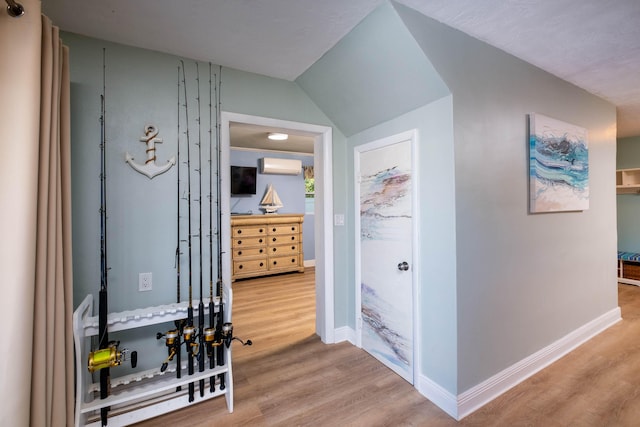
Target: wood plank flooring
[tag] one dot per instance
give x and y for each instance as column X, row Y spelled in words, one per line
column 290, row 378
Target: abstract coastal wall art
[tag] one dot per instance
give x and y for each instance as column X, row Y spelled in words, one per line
column 558, row 166
column 385, row 204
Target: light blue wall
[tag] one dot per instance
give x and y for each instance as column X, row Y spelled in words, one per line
column 523, row 281
column 290, row 189
column 628, row 156
column 376, row 82
column 437, row 262
column 516, row 283
column 141, row 88
column 374, row 74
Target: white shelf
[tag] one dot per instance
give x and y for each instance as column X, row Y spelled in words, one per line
column 131, row 319
column 628, row 181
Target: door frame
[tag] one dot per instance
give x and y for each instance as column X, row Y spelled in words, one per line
column 323, row 166
column 411, row 135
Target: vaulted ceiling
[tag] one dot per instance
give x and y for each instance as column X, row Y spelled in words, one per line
column 594, row 44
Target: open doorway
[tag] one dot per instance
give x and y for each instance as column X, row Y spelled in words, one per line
column 323, row 208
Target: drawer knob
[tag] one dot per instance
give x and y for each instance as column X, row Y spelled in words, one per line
column 293, row 248
column 260, row 231
column 274, row 239
column 274, row 249
column 293, row 229
column 262, row 264
column 275, row 262
column 239, row 252
column 261, row 250
column 239, row 242
column 293, row 237
column 293, row 260
column 240, row 267
column 260, row 241
column 274, row 229
column 239, row 231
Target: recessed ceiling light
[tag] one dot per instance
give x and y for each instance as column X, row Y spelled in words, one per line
column 277, row 136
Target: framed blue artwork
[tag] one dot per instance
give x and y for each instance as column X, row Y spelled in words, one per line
column 558, row 166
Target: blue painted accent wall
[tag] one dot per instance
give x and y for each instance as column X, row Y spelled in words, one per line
column 290, row 189
column 142, row 88
column 375, row 73
column 628, row 157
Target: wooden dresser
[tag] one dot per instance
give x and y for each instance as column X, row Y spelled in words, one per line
column 266, row 244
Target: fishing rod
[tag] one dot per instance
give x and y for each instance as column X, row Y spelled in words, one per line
column 220, row 333
column 108, row 355
column 201, row 347
column 102, row 295
column 173, row 337
column 210, row 331
column 175, row 346
column 189, row 330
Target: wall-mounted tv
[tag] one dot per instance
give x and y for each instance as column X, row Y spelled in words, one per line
column 243, row 180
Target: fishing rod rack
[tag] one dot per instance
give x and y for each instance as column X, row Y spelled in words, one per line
column 141, row 395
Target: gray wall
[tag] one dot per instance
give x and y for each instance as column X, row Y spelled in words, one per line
column 628, row 156
column 523, row 281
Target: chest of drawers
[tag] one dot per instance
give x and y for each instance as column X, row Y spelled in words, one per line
column 266, row 244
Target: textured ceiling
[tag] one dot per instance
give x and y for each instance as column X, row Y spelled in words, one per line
column 594, row 44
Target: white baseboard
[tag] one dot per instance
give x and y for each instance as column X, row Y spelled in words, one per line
column 309, row 262
column 438, row 396
column 478, row 396
column 345, row 333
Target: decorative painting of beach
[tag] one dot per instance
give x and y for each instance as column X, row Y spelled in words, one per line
column 558, row 166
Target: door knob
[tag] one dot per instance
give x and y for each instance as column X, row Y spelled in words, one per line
column 403, row 266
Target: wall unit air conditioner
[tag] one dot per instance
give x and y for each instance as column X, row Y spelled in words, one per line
column 273, row 166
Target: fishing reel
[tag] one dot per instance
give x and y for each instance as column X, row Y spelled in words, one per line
column 227, row 335
column 172, row 341
column 209, row 335
column 109, row 357
column 189, row 333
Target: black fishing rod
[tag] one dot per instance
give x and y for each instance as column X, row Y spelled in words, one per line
column 173, row 337
column 218, row 186
column 201, row 347
column 210, row 331
column 189, row 330
column 220, row 334
column 107, row 355
column 102, row 295
column 175, row 346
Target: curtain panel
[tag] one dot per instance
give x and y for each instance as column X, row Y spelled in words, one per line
column 36, row 378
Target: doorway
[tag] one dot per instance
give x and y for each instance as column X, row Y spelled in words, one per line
column 323, row 209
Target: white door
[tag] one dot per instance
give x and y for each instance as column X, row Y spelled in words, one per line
column 385, row 247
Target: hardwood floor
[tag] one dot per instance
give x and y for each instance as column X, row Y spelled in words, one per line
column 290, row 378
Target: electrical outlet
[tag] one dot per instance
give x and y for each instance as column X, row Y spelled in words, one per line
column 144, row 282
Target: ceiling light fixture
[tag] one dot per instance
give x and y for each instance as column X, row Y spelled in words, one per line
column 277, row 136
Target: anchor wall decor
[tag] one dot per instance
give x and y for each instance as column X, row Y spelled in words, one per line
column 150, row 168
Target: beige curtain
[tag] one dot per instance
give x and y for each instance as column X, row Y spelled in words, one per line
column 52, row 365
column 36, row 371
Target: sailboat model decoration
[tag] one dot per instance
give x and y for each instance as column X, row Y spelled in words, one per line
column 270, row 202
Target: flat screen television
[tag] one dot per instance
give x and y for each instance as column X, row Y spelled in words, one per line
column 243, row 180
